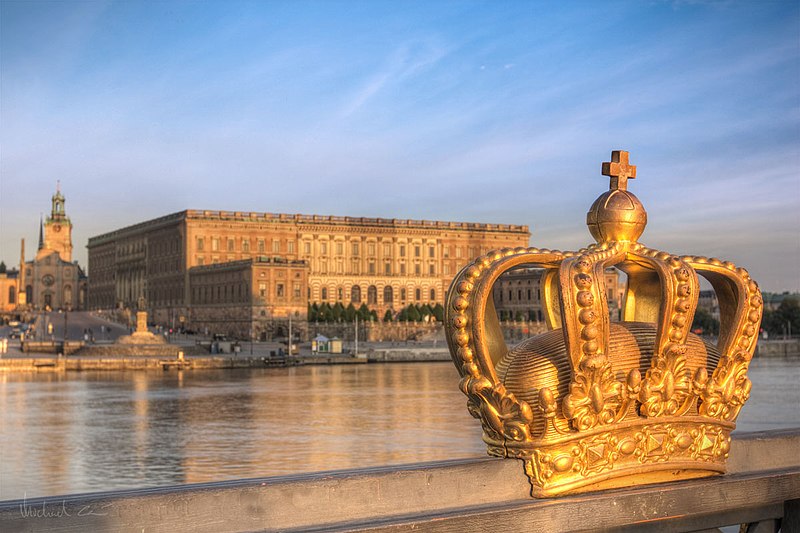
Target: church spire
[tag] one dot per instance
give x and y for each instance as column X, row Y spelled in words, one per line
column 41, row 233
column 57, row 212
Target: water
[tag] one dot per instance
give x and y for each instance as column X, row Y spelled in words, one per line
column 91, row 431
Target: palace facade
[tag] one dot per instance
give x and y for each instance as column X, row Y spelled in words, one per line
column 517, row 294
column 383, row 263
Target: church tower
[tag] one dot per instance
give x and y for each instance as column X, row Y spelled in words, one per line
column 58, row 228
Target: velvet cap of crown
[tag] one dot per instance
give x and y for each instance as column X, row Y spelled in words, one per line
column 593, row 404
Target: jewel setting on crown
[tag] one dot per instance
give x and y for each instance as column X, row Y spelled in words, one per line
column 593, row 404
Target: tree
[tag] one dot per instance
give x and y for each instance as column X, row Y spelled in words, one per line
column 787, row 315
column 325, row 313
column 387, row 316
column 705, row 323
column 438, row 312
column 350, row 313
column 337, row 312
column 363, row 313
column 414, row 314
column 2, row 267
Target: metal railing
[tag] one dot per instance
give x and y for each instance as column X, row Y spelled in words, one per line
column 761, row 490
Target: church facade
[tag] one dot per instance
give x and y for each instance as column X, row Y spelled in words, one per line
column 52, row 280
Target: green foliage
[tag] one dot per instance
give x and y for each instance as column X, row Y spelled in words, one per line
column 778, row 322
column 350, row 313
column 413, row 314
column 438, row 312
column 325, row 313
column 363, row 313
column 2, row 267
column 337, row 312
column 387, row 316
column 705, row 323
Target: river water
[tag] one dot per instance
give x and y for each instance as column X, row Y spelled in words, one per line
column 93, row 431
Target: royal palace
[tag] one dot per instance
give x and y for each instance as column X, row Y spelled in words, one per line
column 231, row 271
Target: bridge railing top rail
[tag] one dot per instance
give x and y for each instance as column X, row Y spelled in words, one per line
column 762, row 484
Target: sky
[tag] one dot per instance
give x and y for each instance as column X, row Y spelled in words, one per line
column 497, row 112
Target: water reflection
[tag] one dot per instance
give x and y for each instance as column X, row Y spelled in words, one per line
column 93, row 431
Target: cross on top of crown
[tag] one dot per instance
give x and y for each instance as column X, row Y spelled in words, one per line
column 619, row 170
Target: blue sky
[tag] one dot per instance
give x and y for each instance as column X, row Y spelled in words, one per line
column 468, row 111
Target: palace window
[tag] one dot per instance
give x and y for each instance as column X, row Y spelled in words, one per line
column 200, row 244
column 417, row 250
column 402, row 250
column 458, row 252
column 276, row 246
column 262, row 247
column 279, row 290
column 403, row 295
column 246, row 245
column 387, row 269
column 387, row 250
column 231, row 245
column 215, row 244
column 298, row 292
column 371, row 248
column 431, row 269
column 324, row 293
column 323, row 248
column 388, row 295
column 306, row 247
column 371, row 267
column 433, row 295
column 340, row 294
column 431, row 251
column 355, row 248
column 402, row 269
column 418, row 294
column 289, row 247
column 417, row 269
column 262, row 290
column 355, row 294
column 200, row 260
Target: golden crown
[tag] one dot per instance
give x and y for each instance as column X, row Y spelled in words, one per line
column 594, row 404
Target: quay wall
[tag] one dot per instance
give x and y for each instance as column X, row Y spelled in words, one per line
column 778, row 348
column 396, row 355
column 62, row 364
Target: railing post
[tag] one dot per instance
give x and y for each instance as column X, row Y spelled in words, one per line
column 791, row 516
